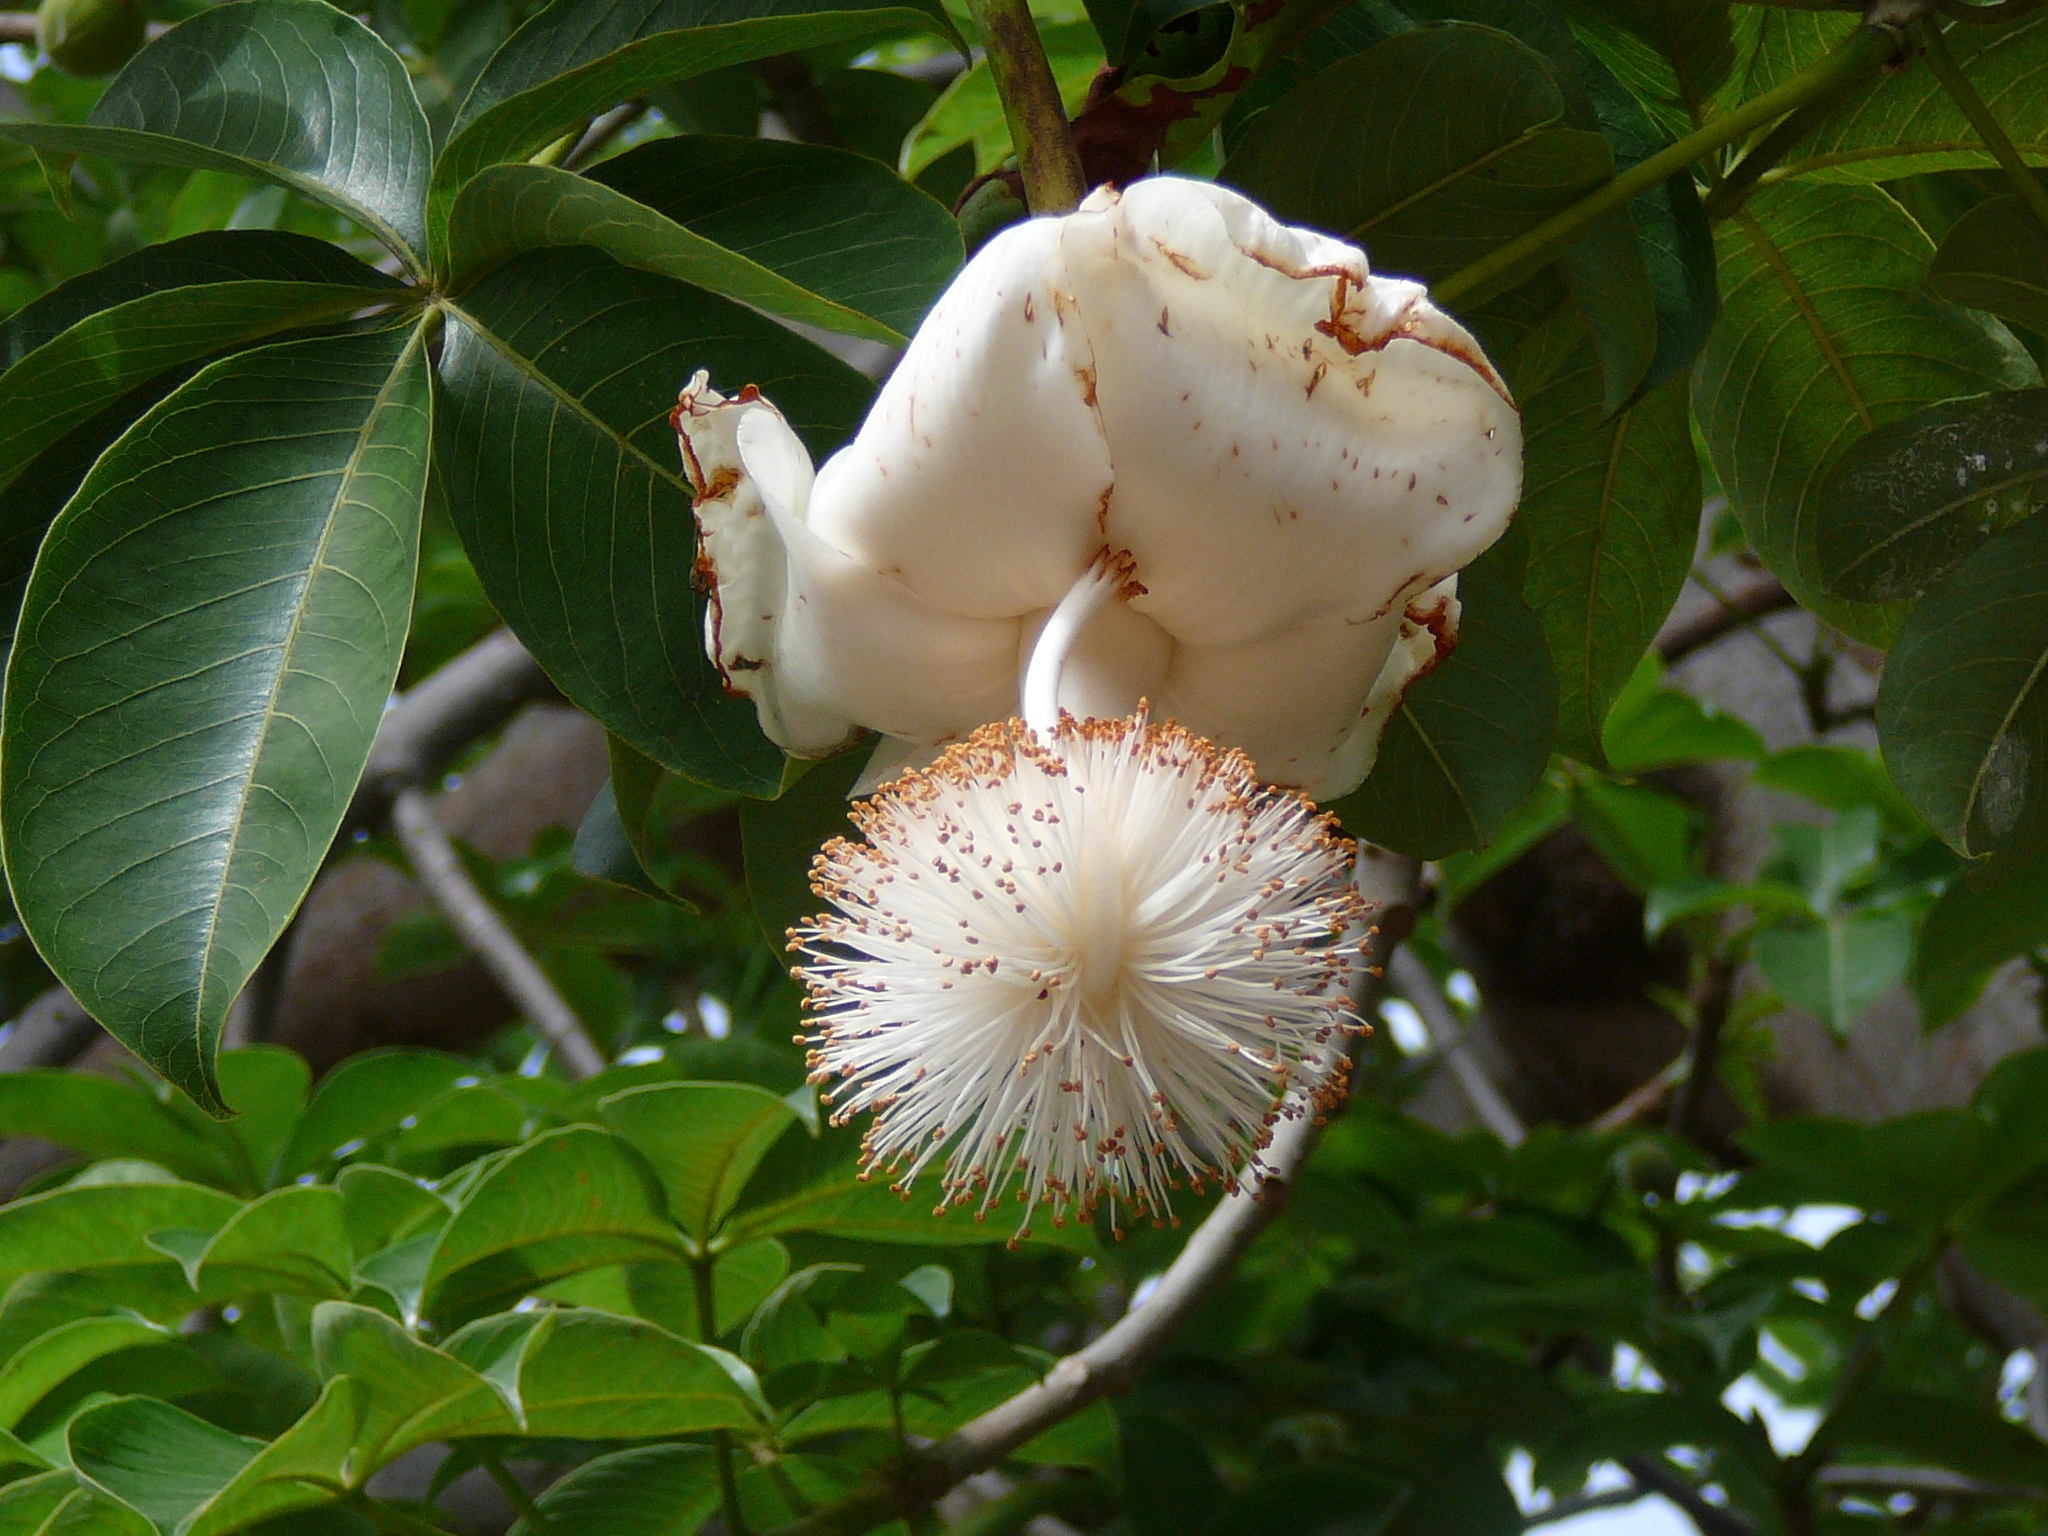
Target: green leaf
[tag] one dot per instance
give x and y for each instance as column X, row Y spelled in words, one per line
column 1995, row 257
column 1909, row 124
column 91, row 1226
column 969, row 113
column 557, row 378
column 1916, row 1168
column 817, row 235
column 593, row 1376
column 1838, row 968
column 1612, row 505
column 1429, row 149
column 1327, row 1498
column 1650, row 726
column 568, row 63
column 382, row 1206
column 70, row 379
column 568, row 1200
column 295, row 1471
column 1907, row 503
column 604, row 850
column 50, row 1359
column 27, row 1507
column 1701, row 896
column 1940, row 1431
column 264, row 1086
column 413, row 1393
column 1840, row 778
column 162, row 1462
column 1970, row 930
column 779, row 838
column 704, row 1139
column 651, row 1490
column 1471, row 739
column 1827, row 333
column 290, row 91
column 104, row 1117
column 1961, row 712
column 1646, row 835
column 293, row 1240
column 187, row 712
column 365, row 1097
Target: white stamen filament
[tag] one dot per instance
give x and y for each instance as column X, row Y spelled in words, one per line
column 1090, row 962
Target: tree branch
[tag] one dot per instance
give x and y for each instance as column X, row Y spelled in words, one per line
column 1703, row 1053
column 1712, row 1519
column 487, row 935
column 1739, row 609
column 1046, row 156
column 1113, row 1362
column 440, row 715
column 1414, row 982
column 1981, row 117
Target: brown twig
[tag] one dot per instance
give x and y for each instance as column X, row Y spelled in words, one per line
column 1738, row 609
column 486, row 935
column 1643, row 1099
column 1112, row 1363
column 1044, row 139
column 1454, row 1045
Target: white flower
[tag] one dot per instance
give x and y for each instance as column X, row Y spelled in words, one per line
column 1288, row 456
column 1096, row 962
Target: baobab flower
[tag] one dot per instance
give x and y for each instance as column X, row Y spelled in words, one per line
column 1083, row 960
column 1290, row 455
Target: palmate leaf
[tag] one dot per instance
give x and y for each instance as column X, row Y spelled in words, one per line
column 1905, row 124
column 1962, row 712
column 556, row 382
column 1826, row 332
column 290, row 91
column 1429, row 149
column 817, row 235
column 704, row 1140
column 1611, row 504
column 205, row 649
column 573, row 60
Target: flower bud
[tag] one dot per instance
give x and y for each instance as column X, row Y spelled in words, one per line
column 1284, row 456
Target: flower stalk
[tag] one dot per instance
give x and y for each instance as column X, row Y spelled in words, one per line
column 1046, row 156
column 1864, row 51
column 1964, row 94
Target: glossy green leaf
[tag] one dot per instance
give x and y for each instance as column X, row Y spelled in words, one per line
column 1906, row 505
column 290, row 91
column 48, row 1360
column 188, row 712
column 162, row 1462
column 780, row 837
column 27, row 1507
column 296, row 1471
column 70, row 379
column 365, row 1097
column 651, row 1490
column 92, row 1225
column 381, row 1206
column 704, row 1139
column 1995, row 257
column 817, row 235
column 1838, row 968
column 1612, row 505
column 1903, row 125
column 1650, row 726
column 569, row 1200
column 293, row 1240
column 567, row 64
column 1471, row 739
column 264, row 1086
column 1429, row 150
column 1962, row 712
column 103, row 1117
column 412, row 1392
column 557, row 377
column 1826, row 333
column 593, row 1376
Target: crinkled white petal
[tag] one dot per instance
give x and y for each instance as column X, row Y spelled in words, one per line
column 1285, row 451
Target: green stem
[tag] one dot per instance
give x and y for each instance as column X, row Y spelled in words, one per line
column 721, row 1440
column 514, row 1491
column 1858, row 1372
column 392, row 1522
column 1861, row 53
column 1046, row 157
column 1964, row 94
column 1776, row 145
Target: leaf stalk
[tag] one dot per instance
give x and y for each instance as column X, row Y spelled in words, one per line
column 1974, row 107
column 721, row 1440
column 1864, row 51
column 1046, row 157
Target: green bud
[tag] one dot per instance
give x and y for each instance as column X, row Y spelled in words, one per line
column 89, row 37
column 1648, row 1168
